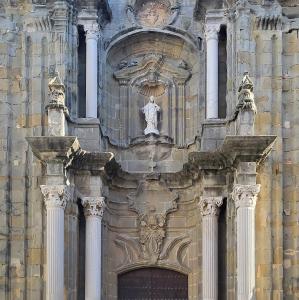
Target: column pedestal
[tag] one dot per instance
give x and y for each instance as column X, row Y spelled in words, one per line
column 93, row 210
column 209, row 208
column 245, row 197
column 55, row 198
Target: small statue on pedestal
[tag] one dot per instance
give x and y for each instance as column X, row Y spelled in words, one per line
column 150, row 111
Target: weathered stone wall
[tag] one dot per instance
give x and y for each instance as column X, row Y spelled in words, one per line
column 31, row 45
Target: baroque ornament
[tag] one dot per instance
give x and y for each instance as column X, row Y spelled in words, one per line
column 209, row 206
column 152, row 231
column 55, row 196
column 246, row 96
column 153, row 13
column 56, row 91
column 153, row 201
column 245, row 195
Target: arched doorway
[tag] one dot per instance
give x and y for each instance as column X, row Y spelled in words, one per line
column 152, row 284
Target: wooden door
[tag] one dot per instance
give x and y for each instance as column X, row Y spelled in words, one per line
column 152, row 284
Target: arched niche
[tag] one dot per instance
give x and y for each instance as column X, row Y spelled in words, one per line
column 156, row 63
column 152, row 283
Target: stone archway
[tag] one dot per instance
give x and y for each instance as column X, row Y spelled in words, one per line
column 152, row 284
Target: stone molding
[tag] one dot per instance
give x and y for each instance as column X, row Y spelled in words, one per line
column 93, row 206
column 245, row 195
column 209, row 206
column 55, row 196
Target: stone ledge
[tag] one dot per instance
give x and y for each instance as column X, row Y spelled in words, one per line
column 54, row 147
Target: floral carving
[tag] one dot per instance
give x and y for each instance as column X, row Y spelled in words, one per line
column 152, row 233
column 245, row 195
column 209, row 206
column 94, row 206
column 55, row 195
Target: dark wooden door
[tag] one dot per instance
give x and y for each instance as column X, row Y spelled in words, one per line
column 152, row 284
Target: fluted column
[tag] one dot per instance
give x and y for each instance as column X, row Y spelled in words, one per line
column 212, row 70
column 55, row 197
column 93, row 210
column 245, row 197
column 92, row 33
column 209, row 208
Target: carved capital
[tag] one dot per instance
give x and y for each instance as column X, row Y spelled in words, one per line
column 55, row 196
column 94, row 206
column 209, row 206
column 212, row 31
column 245, row 195
column 92, row 31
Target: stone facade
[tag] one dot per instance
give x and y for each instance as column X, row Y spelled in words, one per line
column 80, row 179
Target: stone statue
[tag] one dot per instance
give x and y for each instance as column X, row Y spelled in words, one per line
column 150, row 111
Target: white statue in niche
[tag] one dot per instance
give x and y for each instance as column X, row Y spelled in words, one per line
column 150, row 111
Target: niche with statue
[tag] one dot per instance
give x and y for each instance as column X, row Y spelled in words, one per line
column 152, row 90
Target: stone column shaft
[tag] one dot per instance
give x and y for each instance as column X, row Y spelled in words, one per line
column 245, row 198
column 212, row 71
column 93, row 208
column 55, row 201
column 209, row 207
column 91, row 72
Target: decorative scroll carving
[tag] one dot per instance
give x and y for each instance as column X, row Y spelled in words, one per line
column 56, row 195
column 245, row 195
column 93, row 206
column 209, row 206
column 152, row 202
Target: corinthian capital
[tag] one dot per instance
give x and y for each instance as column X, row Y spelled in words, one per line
column 209, row 206
column 92, row 31
column 245, row 195
column 55, row 195
column 211, row 31
column 94, row 206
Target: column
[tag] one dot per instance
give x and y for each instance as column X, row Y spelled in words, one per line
column 55, row 197
column 92, row 70
column 212, row 70
column 93, row 210
column 209, row 208
column 245, row 197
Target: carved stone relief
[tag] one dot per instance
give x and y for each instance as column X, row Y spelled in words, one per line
column 152, row 202
column 150, row 13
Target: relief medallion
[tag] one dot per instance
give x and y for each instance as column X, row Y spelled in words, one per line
column 153, row 13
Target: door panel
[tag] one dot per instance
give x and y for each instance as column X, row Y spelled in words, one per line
column 152, row 284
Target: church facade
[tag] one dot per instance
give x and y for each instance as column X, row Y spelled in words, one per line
column 149, row 149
